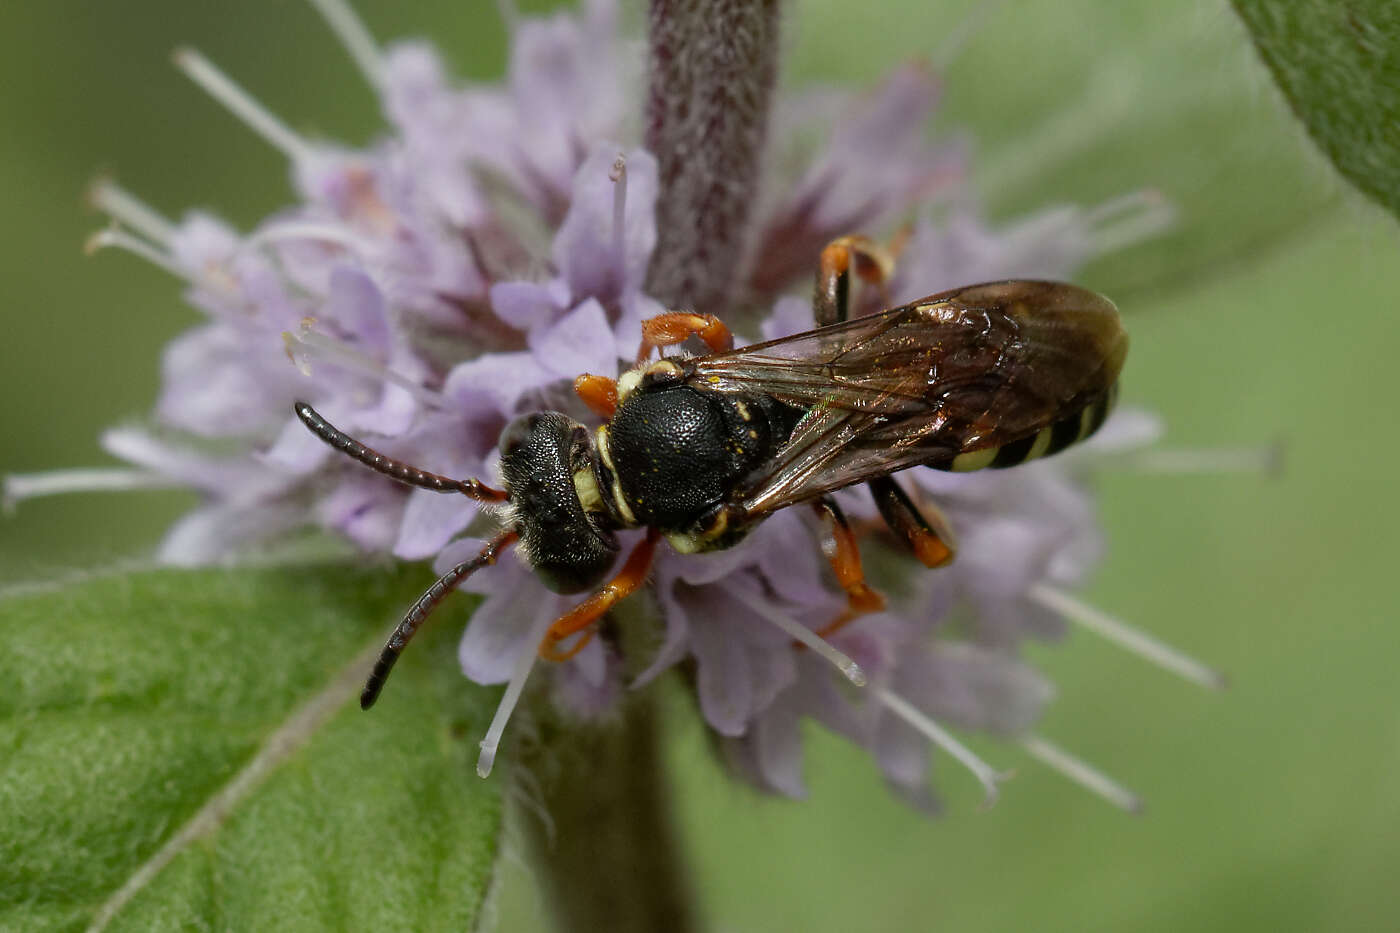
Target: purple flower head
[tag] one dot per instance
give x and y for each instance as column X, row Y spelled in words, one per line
column 462, row 270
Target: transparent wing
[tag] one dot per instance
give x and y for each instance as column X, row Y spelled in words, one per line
column 966, row 370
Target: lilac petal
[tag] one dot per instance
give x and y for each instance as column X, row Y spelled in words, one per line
column 791, row 561
column 496, row 381
column 559, row 91
column 974, row 688
column 579, row 342
column 901, row 752
column 674, row 644
column 357, row 306
column 527, row 305
column 791, row 315
column 777, row 742
column 591, row 663
column 589, row 687
column 743, row 661
column 203, row 242
column 365, row 509
column 585, row 249
column 724, row 681
column 216, row 533
column 296, row 449
column 392, row 416
column 1000, row 557
column 235, row 479
column 218, row 383
column 636, row 308
column 515, row 604
column 430, row 520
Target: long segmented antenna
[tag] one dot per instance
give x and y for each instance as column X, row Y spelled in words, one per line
column 397, row 469
column 423, row 608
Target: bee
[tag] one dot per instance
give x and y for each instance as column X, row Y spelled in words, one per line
column 700, row 449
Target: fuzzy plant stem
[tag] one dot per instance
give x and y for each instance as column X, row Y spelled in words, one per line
column 712, row 64
column 605, row 850
column 606, row 853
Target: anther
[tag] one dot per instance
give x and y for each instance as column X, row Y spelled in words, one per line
column 123, row 206
column 120, row 239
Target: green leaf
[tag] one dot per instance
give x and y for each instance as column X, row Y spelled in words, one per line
column 187, row 745
column 1338, row 63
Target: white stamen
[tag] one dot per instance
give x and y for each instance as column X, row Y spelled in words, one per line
column 310, row 230
column 1123, row 205
column 1127, row 637
column 799, row 632
column 618, row 175
column 956, row 39
column 111, row 198
column 986, row 775
column 529, row 653
column 120, row 239
column 242, row 105
column 1128, row 220
column 509, row 13
column 1082, row 773
column 351, row 32
column 1062, row 135
column 307, row 345
column 17, row 487
column 1267, row 460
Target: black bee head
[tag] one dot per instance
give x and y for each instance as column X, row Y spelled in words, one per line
column 568, row 548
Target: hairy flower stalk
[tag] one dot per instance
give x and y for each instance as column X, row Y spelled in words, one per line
column 712, row 68
column 501, row 239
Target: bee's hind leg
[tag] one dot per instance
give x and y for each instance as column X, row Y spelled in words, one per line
column 871, row 263
column 922, row 529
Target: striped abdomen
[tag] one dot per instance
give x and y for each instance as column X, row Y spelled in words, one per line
column 1071, row 429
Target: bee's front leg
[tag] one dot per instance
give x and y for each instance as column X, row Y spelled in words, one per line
column 583, row 616
column 673, row 327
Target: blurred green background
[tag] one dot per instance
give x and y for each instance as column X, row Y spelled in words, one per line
column 1270, row 313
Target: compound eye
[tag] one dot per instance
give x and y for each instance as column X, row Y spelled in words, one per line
column 517, row 433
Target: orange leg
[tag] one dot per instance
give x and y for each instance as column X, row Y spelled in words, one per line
column 666, row 330
column 591, row 609
column 870, row 262
column 839, row 546
column 599, row 393
column 923, row 530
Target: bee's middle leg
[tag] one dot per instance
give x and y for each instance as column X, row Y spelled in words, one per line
column 839, row 546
